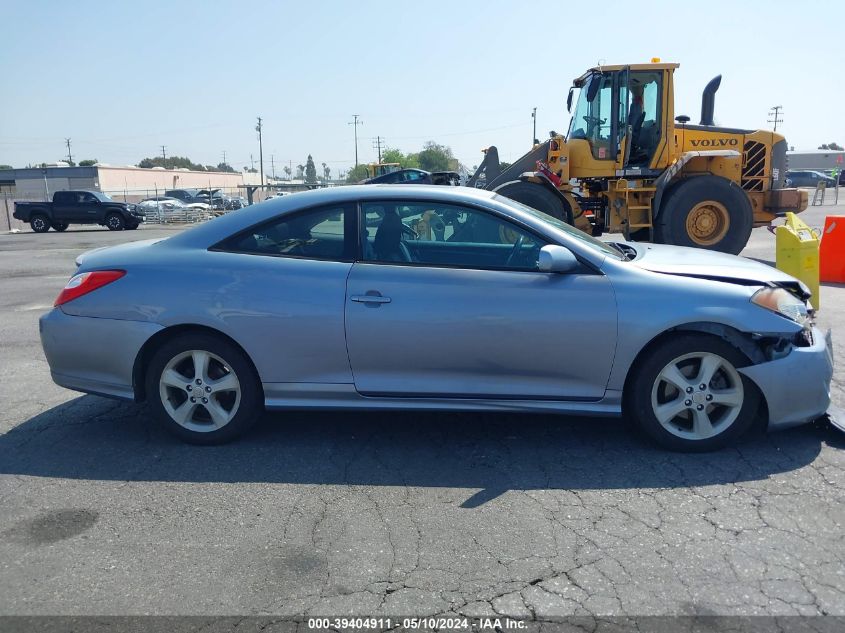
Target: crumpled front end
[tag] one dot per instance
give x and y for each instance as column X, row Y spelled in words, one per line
column 796, row 386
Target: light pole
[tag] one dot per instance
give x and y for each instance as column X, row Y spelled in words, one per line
column 260, row 152
column 355, row 123
column 534, row 118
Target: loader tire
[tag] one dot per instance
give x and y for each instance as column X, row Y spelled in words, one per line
column 705, row 212
column 537, row 197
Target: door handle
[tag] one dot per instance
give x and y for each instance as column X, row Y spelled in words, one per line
column 369, row 299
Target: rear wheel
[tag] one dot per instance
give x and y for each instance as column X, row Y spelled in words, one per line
column 705, row 212
column 688, row 395
column 59, row 226
column 39, row 223
column 203, row 389
column 537, row 197
column 115, row 222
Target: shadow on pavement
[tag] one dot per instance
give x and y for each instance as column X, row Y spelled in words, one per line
column 97, row 439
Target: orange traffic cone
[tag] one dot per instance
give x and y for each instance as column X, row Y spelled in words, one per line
column 832, row 250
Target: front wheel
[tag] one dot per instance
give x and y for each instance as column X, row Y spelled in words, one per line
column 203, row 389
column 115, row 222
column 538, row 197
column 688, row 395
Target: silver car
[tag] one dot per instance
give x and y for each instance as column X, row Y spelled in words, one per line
column 396, row 297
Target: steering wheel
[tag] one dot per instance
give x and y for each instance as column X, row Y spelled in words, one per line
column 594, row 121
column 516, row 248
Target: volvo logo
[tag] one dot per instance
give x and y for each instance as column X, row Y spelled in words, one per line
column 715, row 142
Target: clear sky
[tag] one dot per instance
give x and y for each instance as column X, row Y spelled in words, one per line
column 123, row 78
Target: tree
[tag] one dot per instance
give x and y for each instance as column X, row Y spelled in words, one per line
column 171, row 162
column 6, row 167
column 393, row 155
column 836, row 147
column 287, row 172
column 225, row 167
column 88, row 162
column 327, row 172
column 356, row 174
column 310, row 170
column 300, row 171
column 435, row 157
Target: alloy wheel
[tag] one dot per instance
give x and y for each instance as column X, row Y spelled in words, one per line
column 697, row 396
column 200, row 391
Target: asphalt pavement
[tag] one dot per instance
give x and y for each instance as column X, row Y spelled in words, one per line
column 395, row 513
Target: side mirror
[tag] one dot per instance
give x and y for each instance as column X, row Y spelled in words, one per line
column 556, row 259
column 569, row 99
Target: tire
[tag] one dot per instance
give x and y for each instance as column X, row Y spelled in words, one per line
column 705, row 212
column 39, row 223
column 729, row 402
column 237, row 403
column 59, row 226
column 537, row 197
column 115, row 222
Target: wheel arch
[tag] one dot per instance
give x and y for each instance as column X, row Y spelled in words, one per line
column 738, row 339
column 145, row 354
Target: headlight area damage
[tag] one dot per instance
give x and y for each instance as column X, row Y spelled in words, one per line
column 792, row 368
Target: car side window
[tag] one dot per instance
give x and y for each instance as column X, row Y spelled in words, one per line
column 435, row 234
column 87, row 198
column 320, row 233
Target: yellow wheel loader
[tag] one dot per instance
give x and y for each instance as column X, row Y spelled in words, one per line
column 629, row 165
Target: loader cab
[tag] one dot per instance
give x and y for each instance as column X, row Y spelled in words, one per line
column 621, row 112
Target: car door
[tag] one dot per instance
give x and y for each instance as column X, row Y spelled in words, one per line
column 90, row 209
column 65, row 206
column 448, row 301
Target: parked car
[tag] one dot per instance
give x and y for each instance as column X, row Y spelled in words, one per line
column 165, row 209
column 808, row 178
column 411, row 176
column 78, row 207
column 440, row 299
column 188, row 196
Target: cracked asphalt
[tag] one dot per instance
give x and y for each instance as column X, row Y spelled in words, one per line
column 395, row 513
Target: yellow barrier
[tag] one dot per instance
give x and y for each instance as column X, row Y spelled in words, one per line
column 797, row 254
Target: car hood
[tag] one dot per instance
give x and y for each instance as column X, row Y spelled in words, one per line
column 697, row 262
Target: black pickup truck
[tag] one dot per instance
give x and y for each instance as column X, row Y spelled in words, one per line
column 78, row 207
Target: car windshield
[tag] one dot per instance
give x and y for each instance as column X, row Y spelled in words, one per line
column 589, row 240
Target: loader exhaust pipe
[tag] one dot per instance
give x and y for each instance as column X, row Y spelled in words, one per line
column 708, row 100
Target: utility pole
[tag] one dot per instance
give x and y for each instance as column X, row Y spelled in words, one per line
column 260, row 151
column 164, row 154
column 251, row 162
column 534, row 118
column 377, row 145
column 273, row 166
column 356, row 123
column 775, row 112
column 69, row 157
column 224, row 157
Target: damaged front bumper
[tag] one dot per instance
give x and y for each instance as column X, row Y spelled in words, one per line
column 796, row 387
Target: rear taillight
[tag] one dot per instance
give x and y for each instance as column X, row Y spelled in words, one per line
column 83, row 283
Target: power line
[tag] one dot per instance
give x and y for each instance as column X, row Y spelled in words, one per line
column 356, row 123
column 775, row 112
